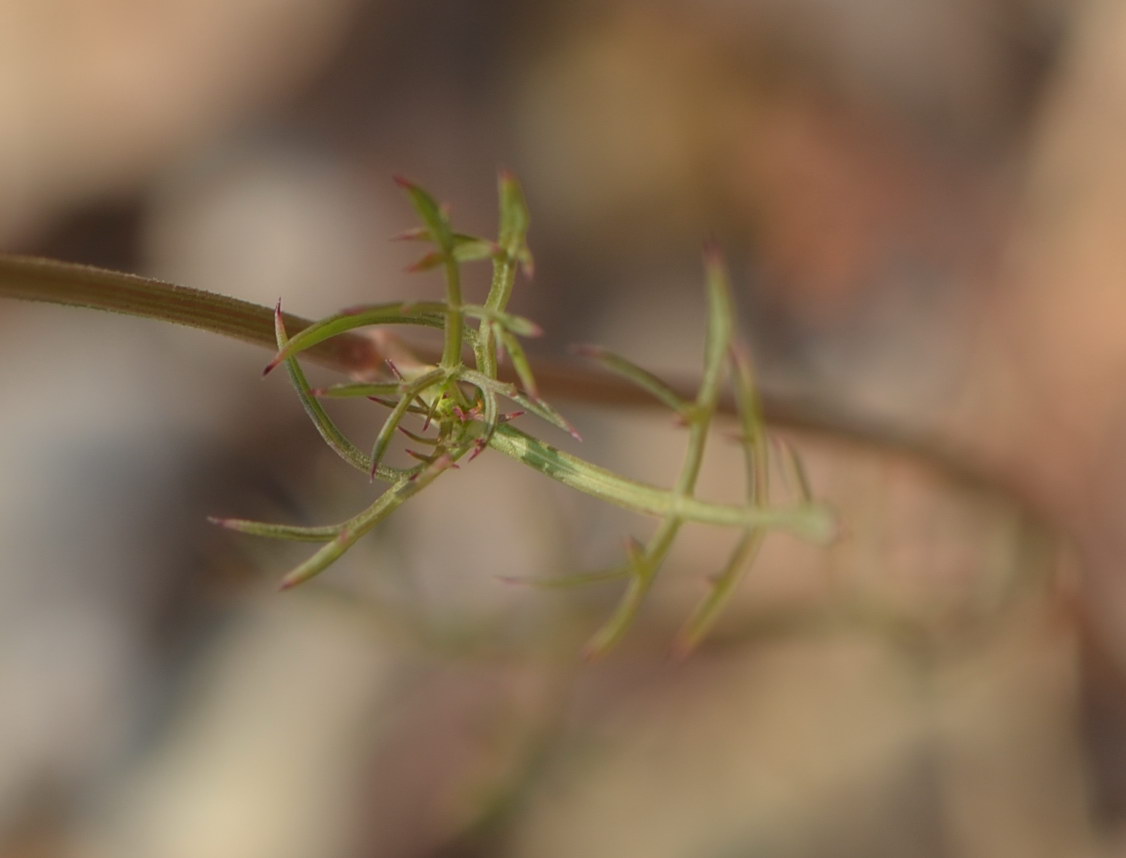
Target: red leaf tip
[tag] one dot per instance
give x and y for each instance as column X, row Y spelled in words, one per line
column 681, row 648
column 592, row 653
column 713, row 255
column 417, row 233
column 586, row 350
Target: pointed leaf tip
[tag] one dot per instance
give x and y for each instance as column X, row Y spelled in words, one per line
column 713, row 254
column 279, row 327
column 586, row 350
column 682, row 648
column 402, row 181
column 592, row 652
column 635, row 551
column 418, row 233
column 427, row 262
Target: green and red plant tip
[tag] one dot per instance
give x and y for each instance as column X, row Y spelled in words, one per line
column 452, row 409
column 460, row 417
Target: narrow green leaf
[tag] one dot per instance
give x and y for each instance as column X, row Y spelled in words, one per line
column 356, row 527
column 757, row 463
column 644, row 563
column 720, row 328
column 795, row 468
column 279, row 531
column 483, row 382
column 337, row 441
column 755, row 449
column 527, row 263
column 520, row 363
column 508, row 322
column 418, row 439
column 545, row 411
column 489, row 417
column 359, row 390
column 431, row 214
column 438, row 224
column 721, row 314
column 391, row 404
column 534, row 406
column 813, row 522
column 469, row 251
column 566, row 582
column 514, row 216
column 397, row 313
column 409, row 392
column 718, row 341
column 644, row 379
column 720, row 593
column 422, row 233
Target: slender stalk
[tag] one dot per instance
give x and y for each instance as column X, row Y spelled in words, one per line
column 465, row 424
column 49, row 281
column 451, row 349
column 757, row 465
column 350, row 531
column 810, row 521
column 645, row 561
column 53, row 282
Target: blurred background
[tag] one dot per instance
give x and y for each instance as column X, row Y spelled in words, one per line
column 923, row 206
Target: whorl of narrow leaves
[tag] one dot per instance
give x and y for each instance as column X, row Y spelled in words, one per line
column 452, row 411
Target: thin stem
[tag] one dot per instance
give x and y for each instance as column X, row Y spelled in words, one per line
column 513, row 230
column 504, row 277
column 53, row 282
column 451, row 350
column 351, row 530
column 810, row 521
column 720, row 328
column 644, row 567
column 757, row 465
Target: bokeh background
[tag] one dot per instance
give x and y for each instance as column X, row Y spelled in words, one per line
column 923, row 204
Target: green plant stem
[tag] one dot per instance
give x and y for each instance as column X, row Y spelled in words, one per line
column 810, row 521
column 648, row 562
column 83, row 286
column 50, row 281
column 354, row 528
column 645, row 561
column 504, row 277
column 451, row 350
